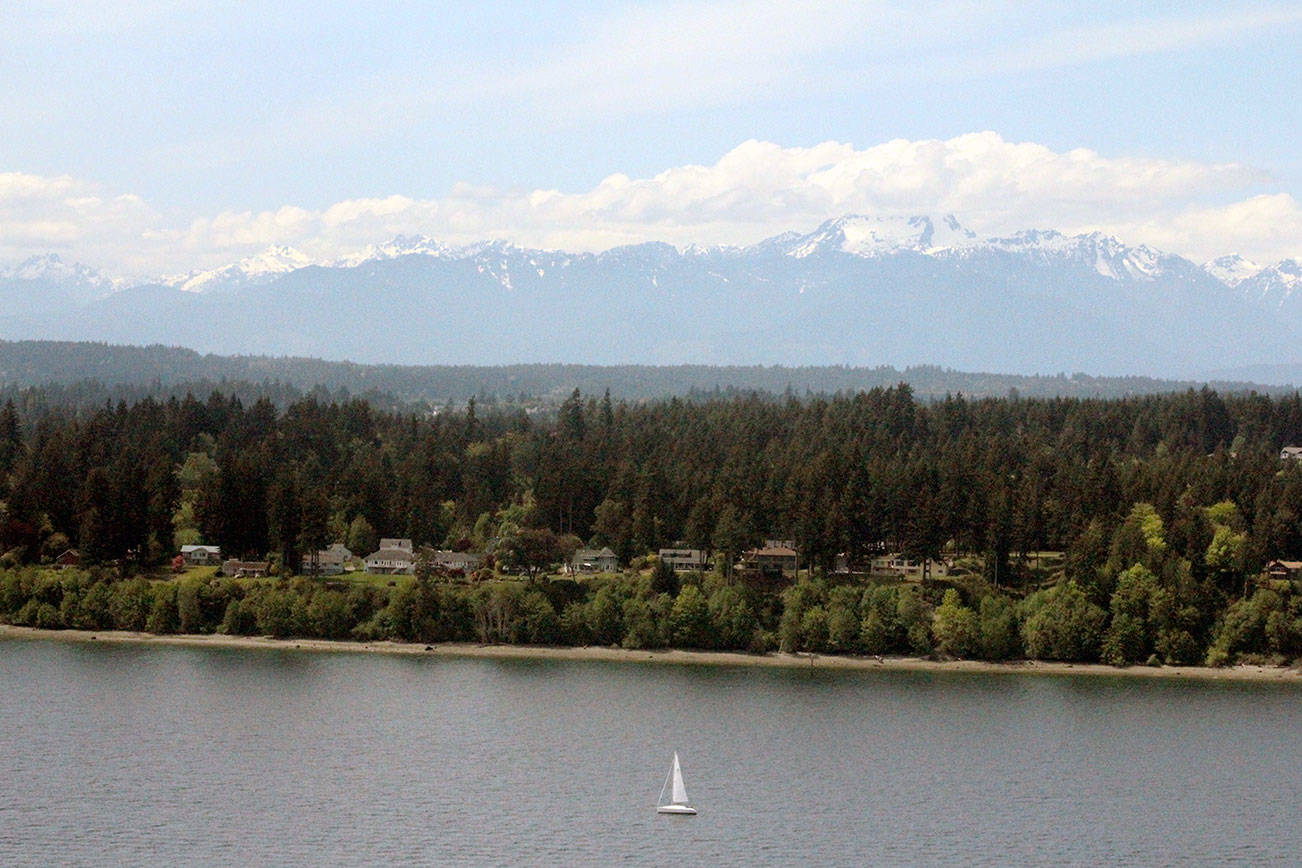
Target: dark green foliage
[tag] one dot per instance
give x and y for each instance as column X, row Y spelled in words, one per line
column 663, row 579
column 1167, row 508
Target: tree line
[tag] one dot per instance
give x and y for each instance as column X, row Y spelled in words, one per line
column 1165, row 508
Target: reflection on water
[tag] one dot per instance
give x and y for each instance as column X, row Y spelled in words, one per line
column 113, row 754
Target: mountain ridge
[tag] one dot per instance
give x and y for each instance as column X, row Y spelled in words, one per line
column 99, row 371
column 857, row 290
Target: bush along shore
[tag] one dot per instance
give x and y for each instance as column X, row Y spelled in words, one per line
column 958, row 619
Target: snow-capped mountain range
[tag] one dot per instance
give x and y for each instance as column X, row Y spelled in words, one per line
column 856, row 290
column 866, row 237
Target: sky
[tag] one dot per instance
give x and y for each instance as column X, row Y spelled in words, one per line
column 147, row 137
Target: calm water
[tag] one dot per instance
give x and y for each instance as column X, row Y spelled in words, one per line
column 167, row 756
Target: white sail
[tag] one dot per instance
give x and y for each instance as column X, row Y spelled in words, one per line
column 680, row 791
column 677, row 803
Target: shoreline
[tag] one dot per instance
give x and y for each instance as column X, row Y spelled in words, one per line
column 830, row 662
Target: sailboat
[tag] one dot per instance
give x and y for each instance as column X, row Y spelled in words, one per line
column 677, row 803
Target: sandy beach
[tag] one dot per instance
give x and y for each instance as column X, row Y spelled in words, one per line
column 671, row 657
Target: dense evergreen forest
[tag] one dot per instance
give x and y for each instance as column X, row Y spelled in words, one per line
column 1164, row 509
column 90, row 372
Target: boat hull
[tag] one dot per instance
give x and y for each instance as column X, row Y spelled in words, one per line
column 675, row 809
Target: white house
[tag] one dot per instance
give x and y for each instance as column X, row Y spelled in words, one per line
column 329, row 561
column 202, row 556
column 594, row 561
column 391, row 560
column 910, row 569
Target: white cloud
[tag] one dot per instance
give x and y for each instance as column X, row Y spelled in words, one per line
column 1263, row 228
column 62, row 214
column 756, row 190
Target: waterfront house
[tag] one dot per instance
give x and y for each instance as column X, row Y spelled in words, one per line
column 238, row 569
column 329, row 561
column 685, row 560
column 594, row 561
column 391, row 560
column 771, row 560
column 448, row 561
column 201, row 556
column 911, row 568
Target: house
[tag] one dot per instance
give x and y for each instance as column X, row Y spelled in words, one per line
column 404, row 544
column 909, row 568
column 1290, row 570
column 450, row 561
column 202, row 556
column 329, row 561
column 245, row 569
column 1291, row 453
column 391, row 560
column 594, row 561
column 685, row 560
column 70, row 558
column 771, row 560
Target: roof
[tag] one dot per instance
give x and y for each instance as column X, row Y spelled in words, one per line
column 187, row 549
column 450, row 555
column 390, row 554
column 775, row 552
column 330, row 556
column 1291, row 565
column 590, row 554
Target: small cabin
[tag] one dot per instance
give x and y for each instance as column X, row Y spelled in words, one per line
column 1289, row 570
column 69, row 558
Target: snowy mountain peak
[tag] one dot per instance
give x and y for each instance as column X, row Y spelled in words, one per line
column 1231, row 270
column 1104, row 254
column 1274, row 284
column 872, row 237
column 865, row 236
column 260, row 268
column 401, row 245
column 274, row 260
column 49, row 267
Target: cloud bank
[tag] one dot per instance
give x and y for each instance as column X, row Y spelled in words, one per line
column 758, row 189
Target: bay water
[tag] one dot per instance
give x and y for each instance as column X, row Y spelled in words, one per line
column 114, row 754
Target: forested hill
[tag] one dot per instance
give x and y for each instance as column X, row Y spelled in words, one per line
column 108, row 371
column 1161, row 513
